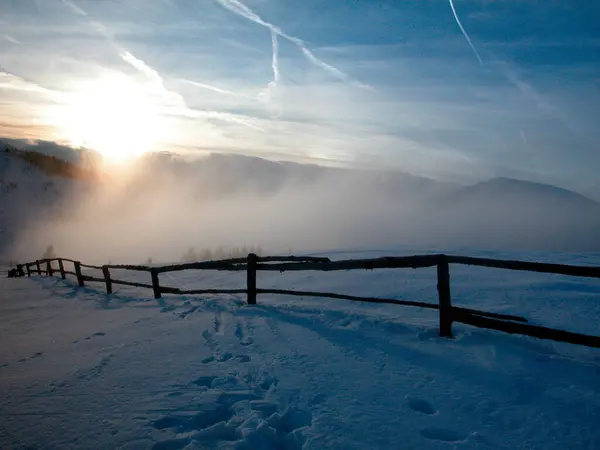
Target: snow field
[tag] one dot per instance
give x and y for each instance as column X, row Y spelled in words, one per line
column 79, row 369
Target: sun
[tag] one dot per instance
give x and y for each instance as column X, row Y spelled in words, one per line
column 114, row 115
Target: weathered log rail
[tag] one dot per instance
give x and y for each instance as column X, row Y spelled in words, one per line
column 448, row 314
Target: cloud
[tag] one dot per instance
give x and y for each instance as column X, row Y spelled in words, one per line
column 254, row 77
column 11, row 39
column 76, row 9
column 213, row 88
column 14, row 82
column 173, row 99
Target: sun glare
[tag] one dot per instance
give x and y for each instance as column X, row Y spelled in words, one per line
column 113, row 115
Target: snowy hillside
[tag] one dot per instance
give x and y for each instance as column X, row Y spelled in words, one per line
column 29, row 194
column 82, row 370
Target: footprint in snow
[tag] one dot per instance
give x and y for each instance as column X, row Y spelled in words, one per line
column 35, row 355
column 422, row 406
column 217, row 323
column 213, row 345
column 443, row 435
column 98, row 334
column 238, row 411
column 243, row 334
column 318, row 399
column 433, row 433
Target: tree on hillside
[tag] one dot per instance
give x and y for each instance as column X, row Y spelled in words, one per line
column 205, row 255
column 49, row 253
column 219, row 253
column 190, row 255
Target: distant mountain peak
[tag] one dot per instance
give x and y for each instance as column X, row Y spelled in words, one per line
column 508, row 191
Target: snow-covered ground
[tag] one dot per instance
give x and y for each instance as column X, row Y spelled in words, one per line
column 79, row 369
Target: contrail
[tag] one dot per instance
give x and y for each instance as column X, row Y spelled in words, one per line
column 540, row 100
column 523, row 137
column 219, row 90
column 242, row 10
column 528, row 91
column 335, row 72
column 141, row 67
column 216, row 115
column 232, row 118
column 275, row 109
column 465, row 33
column 123, row 53
column 275, row 62
column 73, row 7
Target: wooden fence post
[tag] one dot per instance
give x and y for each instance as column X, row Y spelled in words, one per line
column 39, row 269
column 77, row 265
column 106, row 273
column 443, row 286
column 155, row 284
column 251, row 278
column 61, row 268
column 28, row 269
column 49, row 270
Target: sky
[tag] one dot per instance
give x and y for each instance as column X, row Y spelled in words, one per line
column 468, row 89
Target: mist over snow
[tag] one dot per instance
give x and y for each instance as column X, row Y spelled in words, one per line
column 165, row 203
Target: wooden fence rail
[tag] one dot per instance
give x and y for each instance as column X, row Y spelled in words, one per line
column 448, row 314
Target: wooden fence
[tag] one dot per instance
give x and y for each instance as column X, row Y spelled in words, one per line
column 448, row 314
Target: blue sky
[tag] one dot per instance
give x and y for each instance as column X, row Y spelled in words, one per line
column 390, row 84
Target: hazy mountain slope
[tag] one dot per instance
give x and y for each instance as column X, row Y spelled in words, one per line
column 35, row 188
column 166, row 203
column 535, row 195
column 225, row 174
column 522, row 214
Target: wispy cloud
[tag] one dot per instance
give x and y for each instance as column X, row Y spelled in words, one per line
column 9, row 38
column 252, row 76
column 14, row 82
column 244, row 11
column 527, row 90
column 123, row 53
column 172, row 99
